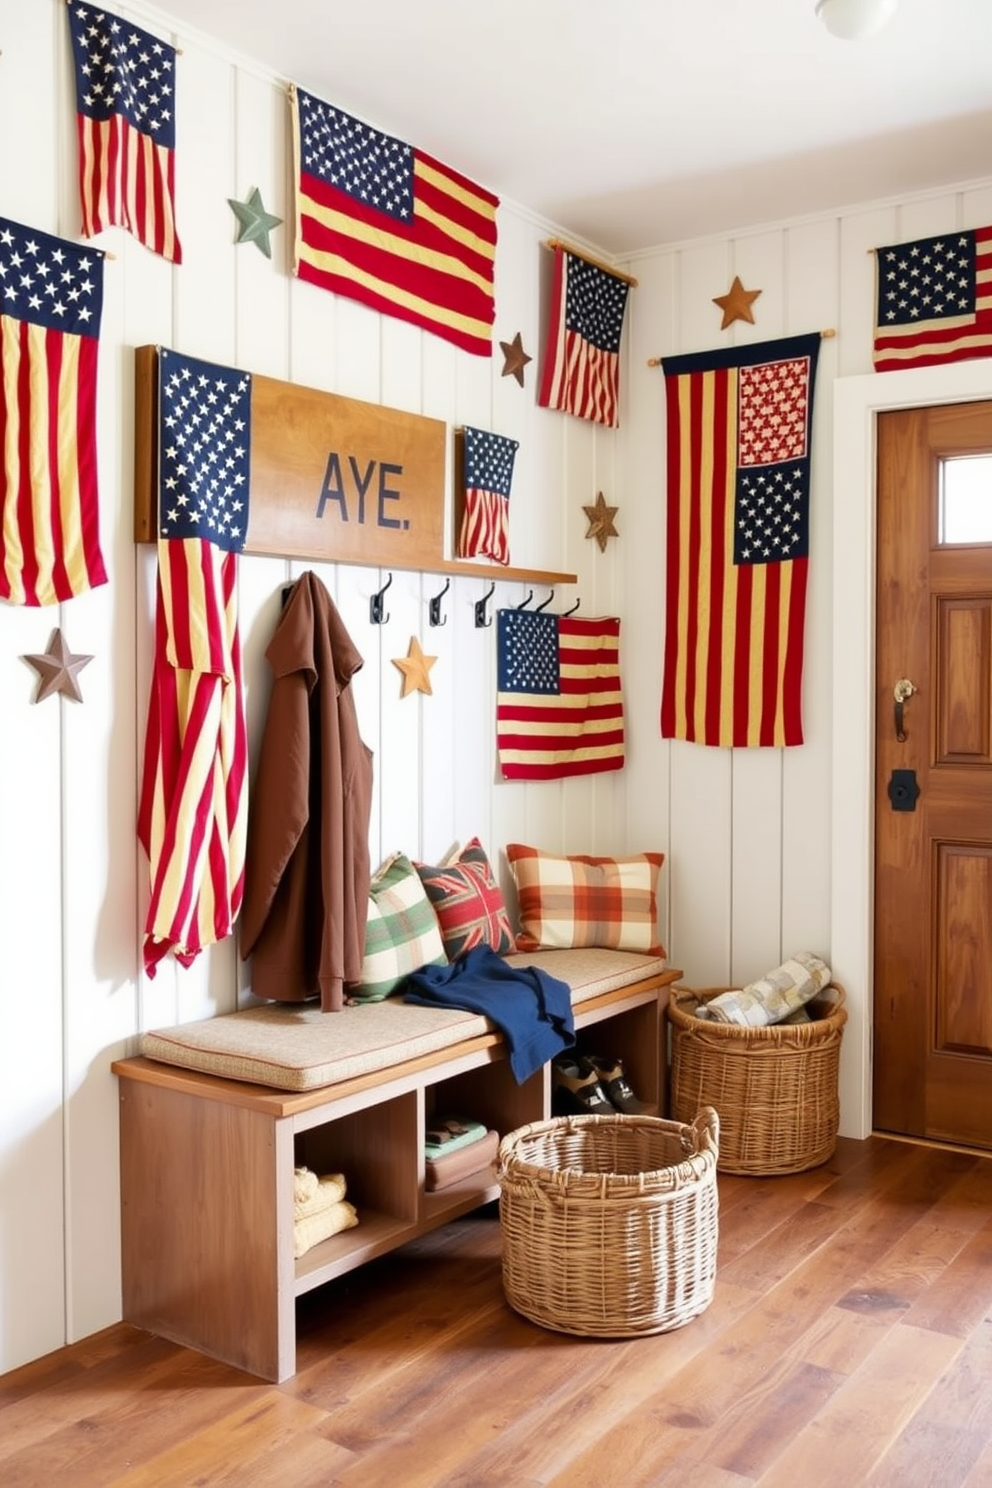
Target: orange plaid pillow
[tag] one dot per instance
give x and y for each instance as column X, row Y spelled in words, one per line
column 572, row 901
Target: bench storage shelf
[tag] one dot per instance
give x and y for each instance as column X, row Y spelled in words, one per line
column 207, row 1170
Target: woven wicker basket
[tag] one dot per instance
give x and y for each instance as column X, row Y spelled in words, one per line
column 775, row 1088
column 609, row 1223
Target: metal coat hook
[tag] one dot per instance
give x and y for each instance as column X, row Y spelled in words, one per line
column 544, row 606
column 480, row 607
column 573, row 609
column 376, row 615
column 434, row 609
column 524, row 603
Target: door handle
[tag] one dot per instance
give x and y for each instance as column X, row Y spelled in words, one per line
column 902, row 692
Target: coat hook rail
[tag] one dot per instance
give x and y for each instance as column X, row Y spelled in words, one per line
column 573, row 609
column 434, row 609
column 525, row 602
column 544, row 606
column 481, row 618
column 377, row 614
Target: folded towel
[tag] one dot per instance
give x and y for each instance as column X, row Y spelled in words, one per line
column 774, row 996
column 316, row 1227
column 441, row 1172
column 330, row 1190
column 304, row 1184
column 445, row 1134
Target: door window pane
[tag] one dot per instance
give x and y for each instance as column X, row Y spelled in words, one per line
column 966, row 499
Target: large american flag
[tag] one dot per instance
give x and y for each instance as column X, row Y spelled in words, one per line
column 386, row 224
column 559, row 708
column 485, row 528
column 738, row 431
column 581, row 372
column 934, row 300
column 126, row 127
column 51, row 300
column 192, row 815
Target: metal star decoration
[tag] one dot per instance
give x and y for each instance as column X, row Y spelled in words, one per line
column 736, row 304
column 515, row 358
column 58, row 668
column 601, row 521
column 415, row 667
column 256, row 222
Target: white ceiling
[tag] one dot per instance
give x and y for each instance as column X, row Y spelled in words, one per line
column 633, row 123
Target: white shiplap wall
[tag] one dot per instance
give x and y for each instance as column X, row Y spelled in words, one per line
column 747, row 834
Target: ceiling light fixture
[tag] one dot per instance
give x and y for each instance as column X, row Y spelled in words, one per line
column 855, row 19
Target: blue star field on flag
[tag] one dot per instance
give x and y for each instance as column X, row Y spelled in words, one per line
column 594, row 304
column 204, row 451
column 121, row 69
column 489, row 460
column 49, row 281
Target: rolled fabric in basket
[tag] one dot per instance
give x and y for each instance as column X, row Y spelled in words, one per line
column 773, row 997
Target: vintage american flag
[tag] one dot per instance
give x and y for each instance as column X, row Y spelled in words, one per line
column 385, row 224
column 934, row 300
column 581, row 372
column 738, row 429
column 485, row 528
column 126, row 128
column 192, row 815
column 51, row 300
column 559, row 709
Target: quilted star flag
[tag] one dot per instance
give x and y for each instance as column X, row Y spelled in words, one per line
column 559, row 708
column 581, row 373
column 126, row 128
column 51, row 301
column 192, row 815
column 388, row 225
column 485, row 529
column 738, row 427
column 934, row 300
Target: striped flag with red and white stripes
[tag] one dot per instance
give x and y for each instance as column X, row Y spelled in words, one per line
column 934, row 300
column 126, row 127
column 581, row 372
column 488, row 476
column 51, row 301
column 192, row 817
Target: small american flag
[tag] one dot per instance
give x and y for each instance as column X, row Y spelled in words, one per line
column 126, row 126
column 934, row 300
column 51, row 300
column 485, row 529
column 386, row 224
column 192, row 816
column 582, row 360
column 559, row 709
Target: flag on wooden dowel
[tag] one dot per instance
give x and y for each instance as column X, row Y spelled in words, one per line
column 581, row 373
column 192, row 817
column 51, row 301
column 738, row 432
column 488, row 476
column 559, row 708
column 384, row 223
column 126, row 128
column 934, row 300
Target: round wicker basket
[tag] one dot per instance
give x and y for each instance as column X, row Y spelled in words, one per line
column 775, row 1088
column 609, row 1223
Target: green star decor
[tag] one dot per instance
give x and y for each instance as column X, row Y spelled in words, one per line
column 256, row 222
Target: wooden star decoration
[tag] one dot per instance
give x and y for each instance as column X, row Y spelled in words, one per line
column 58, row 668
column 415, row 667
column 515, row 358
column 601, row 525
column 736, row 304
column 256, row 222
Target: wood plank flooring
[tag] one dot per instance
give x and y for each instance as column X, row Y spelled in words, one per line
column 849, row 1345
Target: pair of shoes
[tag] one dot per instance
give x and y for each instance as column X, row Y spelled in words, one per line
column 591, row 1085
column 615, row 1085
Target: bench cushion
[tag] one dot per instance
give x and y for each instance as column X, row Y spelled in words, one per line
column 298, row 1047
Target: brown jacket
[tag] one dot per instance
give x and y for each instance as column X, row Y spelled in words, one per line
column 307, row 866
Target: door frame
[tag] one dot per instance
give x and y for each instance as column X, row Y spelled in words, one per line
column 857, row 403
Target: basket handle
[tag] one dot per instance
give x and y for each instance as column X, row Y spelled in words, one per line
column 706, row 1127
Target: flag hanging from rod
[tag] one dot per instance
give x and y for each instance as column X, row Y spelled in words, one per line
column 581, row 373
column 934, row 300
column 51, row 302
column 738, row 433
column 126, row 128
column 384, row 223
column 488, row 475
column 192, row 815
column 559, row 708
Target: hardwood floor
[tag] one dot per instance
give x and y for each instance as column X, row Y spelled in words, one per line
column 849, row 1345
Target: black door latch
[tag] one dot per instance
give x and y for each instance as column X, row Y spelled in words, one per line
column 903, row 790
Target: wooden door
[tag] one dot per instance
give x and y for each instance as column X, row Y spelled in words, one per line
column 932, row 1053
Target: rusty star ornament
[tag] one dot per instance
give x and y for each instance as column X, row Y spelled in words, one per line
column 415, row 667
column 515, row 358
column 736, row 303
column 601, row 524
column 58, row 668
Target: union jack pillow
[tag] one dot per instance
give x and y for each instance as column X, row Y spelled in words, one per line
column 569, row 902
column 468, row 902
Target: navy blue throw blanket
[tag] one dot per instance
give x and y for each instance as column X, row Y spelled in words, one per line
column 532, row 1010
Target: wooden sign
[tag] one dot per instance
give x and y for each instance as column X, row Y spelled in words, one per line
column 332, row 479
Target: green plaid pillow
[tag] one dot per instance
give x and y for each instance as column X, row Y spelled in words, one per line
column 568, row 902
column 401, row 933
